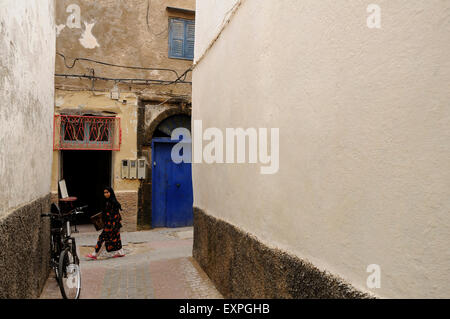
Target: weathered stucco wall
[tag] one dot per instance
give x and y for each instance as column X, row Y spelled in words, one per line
column 130, row 33
column 364, row 122
column 27, row 41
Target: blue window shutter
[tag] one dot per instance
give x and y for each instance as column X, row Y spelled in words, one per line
column 181, row 38
column 176, row 38
column 189, row 39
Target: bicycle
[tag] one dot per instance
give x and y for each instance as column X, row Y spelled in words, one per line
column 64, row 259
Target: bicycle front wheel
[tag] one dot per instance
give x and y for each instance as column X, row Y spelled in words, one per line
column 69, row 275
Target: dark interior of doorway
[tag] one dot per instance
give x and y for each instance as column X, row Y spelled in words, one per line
column 166, row 127
column 86, row 173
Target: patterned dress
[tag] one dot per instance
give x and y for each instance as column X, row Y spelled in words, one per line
column 111, row 233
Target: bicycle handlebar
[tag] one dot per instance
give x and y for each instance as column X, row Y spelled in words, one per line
column 77, row 210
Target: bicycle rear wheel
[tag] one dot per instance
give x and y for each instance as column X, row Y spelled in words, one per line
column 69, row 275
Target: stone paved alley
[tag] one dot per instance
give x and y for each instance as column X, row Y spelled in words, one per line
column 158, row 264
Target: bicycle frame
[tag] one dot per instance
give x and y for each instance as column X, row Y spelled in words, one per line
column 61, row 237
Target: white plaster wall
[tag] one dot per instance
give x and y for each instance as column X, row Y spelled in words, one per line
column 27, row 42
column 364, row 120
column 207, row 27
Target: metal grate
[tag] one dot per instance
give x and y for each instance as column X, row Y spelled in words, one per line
column 72, row 132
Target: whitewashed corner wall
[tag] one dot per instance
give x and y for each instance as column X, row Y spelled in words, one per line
column 364, row 122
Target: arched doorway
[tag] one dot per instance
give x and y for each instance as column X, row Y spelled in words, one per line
column 167, row 193
column 172, row 195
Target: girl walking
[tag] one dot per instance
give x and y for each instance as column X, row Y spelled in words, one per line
column 110, row 235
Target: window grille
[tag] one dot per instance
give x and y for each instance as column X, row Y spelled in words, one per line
column 73, row 132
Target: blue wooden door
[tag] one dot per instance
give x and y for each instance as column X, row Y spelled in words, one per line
column 171, row 187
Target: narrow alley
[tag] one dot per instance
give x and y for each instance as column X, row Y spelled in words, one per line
column 224, row 149
column 158, row 265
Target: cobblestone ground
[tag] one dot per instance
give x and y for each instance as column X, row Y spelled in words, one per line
column 158, row 264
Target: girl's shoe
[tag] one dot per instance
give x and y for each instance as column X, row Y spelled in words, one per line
column 92, row 256
column 119, row 253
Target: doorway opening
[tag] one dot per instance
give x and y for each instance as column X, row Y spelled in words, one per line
column 86, row 172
